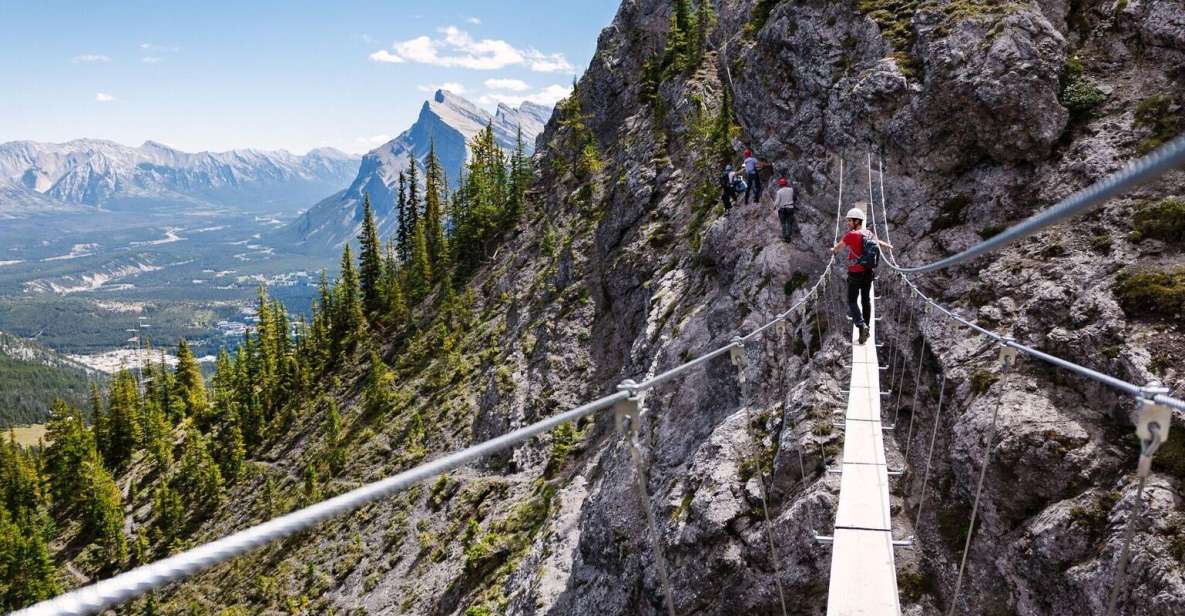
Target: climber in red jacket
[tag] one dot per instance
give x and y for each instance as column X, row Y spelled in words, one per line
column 859, row 276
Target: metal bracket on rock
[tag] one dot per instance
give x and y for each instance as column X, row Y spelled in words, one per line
column 739, row 358
column 780, row 328
column 1152, row 426
column 1007, row 355
column 627, row 414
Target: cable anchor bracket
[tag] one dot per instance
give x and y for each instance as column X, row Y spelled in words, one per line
column 627, row 414
column 1152, row 425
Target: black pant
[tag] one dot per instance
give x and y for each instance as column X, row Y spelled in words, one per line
column 859, row 285
column 786, row 217
column 754, row 181
column 726, row 197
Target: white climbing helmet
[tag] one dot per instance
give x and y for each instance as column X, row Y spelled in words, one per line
column 856, row 213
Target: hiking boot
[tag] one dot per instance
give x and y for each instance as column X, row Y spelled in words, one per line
column 863, row 334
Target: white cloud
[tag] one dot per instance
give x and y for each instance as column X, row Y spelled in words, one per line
column 373, row 140
column 514, row 85
column 383, row 55
column 451, row 86
column 457, row 49
column 548, row 96
column 473, row 20
column 159, row 48
column 152, row 59
column 90, row 58
column 102, row 97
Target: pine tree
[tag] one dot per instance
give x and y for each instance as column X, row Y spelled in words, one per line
column 394, row 300
column 370, row 263
column 99, row 420
column 312, row 491
column 377, row 394
column 520, row 178
column 348, row 302
column 27, row 572
column 435, row 196
column 704, row 22
column 104, row 513
column 199, row 478
column 420, row 277
column 413, row 196
column 191, row 389
column 333, row 433
column 70, row 445
column 170, row 512
column 124, row 432
column 403, row 225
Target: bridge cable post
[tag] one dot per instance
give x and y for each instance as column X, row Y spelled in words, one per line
column 1152, row 427
column 1007, row 363
column 917, row 525
column 740, row 360
column 917, row 382
column 781, row 329
column 627, row 416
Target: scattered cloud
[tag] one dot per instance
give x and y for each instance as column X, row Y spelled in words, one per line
column 548, row 96
column 457, row 49
column 152, row 59
column 383, row 55
column 373, row 140
column 451, row 86
column 368, row 39
column 90, row 58
column 473, row 20
column 514, row 85
column 103, row 97
column 154, row 48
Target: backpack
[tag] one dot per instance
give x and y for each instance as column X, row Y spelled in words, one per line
column 739, row 185
column 870, row 253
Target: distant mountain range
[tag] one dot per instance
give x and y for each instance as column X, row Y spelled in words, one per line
column 448, row 120
column 90, row 173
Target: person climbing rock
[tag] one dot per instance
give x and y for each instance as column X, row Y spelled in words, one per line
column 727, row 193
column 752, row 177
column 859, row 275
column 784, row 202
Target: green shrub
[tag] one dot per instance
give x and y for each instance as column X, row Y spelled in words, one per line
column 1163, row 220
column 1101, row 243
column 990, row 231
column 912, row 585
column 1156, row 113
column 1151, row 293
column 982, row 380
column 1080, row 94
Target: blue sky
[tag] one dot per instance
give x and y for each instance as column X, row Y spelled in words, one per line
column 295, row 75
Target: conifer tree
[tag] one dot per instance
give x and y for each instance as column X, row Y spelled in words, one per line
column 348, row 320
column 98, row 419
column 27, row 572
column 191, row 389
column 312, row 491
column 435, row 194
column 377, row 394
column 124, row 432
column 170, row 512
column 413, row 195
column 520, row 178
column 333, row 434
column 403, row 224
column 104, row 512
column 420, row 277
column 394, row 300
column 199, row 478
column 70, row 445
column 370, row 263
column 704, row 21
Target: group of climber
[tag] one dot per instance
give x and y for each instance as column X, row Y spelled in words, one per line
column 747, row 182
column 862, row 244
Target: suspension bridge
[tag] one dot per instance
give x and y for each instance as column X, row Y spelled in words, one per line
column 863, row 572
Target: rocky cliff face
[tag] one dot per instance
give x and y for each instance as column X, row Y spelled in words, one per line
column 984, row 112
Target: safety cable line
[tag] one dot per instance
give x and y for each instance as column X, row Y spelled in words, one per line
column 1137, row 391
column 917, row 382
column 930, row 455
column 640, row 478
column 1139, row 172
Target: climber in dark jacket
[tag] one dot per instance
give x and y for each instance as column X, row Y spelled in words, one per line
column 752, row 177
column 727, row 194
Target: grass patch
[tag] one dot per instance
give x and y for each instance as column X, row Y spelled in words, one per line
column 911, row 584
column 1101, row 243
column 1151, row 292
column 1094, row 517
column 1163, row 220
